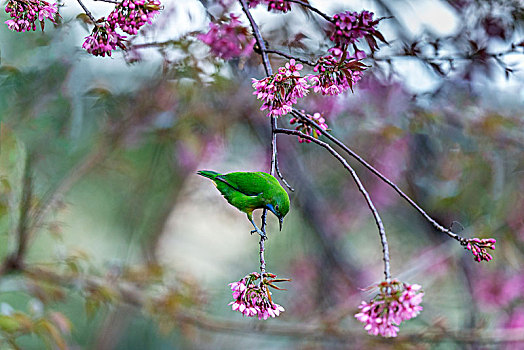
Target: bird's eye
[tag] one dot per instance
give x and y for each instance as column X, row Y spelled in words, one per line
column 277, row 207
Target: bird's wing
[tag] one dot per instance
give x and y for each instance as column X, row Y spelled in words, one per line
column 249, row 184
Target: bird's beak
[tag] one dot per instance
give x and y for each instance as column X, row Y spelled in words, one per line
column 281, row 220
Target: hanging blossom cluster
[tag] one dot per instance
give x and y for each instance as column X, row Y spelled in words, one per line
column 337, row 73
column 272, row 5
column 129, row 16
column 228, row 39
column 280, row 91
column 307, row 128
column 479, row 248
column 253, row 298
column 103, row 39
column 396, row 302
column 348, row 27
column 24, row 14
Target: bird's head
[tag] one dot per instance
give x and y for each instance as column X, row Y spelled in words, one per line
column 280, row 207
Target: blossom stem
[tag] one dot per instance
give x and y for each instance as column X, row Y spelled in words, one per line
column 280, row 53
column 87, row 12
column 314, row 9
column 361, row 188
column 269, row 71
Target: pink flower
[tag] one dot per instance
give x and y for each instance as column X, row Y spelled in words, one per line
column 229, row 39
column 131, row 15
column 24, row 14
column 337, row 72
column 478, row 248
column 103, row 40
column 396, row 302
column 281, row 91
column 351, row 26
column 307, row 128
column 254, row 299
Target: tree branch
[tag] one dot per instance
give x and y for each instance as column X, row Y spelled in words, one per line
column 87, row 12
column 288, row 56
column 314, row 9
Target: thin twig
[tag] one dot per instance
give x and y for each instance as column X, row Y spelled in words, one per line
column 368, row 166
column 258, row 37
column 288, row 56
column 269, row 71
column 282, row 178
column 361, row 188
column 314, row 9
column 87, row 12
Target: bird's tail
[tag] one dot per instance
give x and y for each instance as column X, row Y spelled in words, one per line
column 208, row 173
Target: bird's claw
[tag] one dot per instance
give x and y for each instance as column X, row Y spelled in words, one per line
column 262, row 234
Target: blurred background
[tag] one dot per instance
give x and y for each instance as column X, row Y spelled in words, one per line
column 127, row 248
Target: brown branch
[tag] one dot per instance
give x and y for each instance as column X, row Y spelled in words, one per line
column 314, row 9
column 288, row 56
column 87, row 12
column 361, row 188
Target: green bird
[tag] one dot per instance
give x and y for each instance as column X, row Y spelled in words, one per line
column 248, row 191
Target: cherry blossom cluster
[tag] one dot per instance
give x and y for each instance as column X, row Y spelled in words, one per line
column 24, row 14
column 337, row 72
column 228, row 39
column 272, row 5
column 253, row 298
column 280, row 91
column 396, row 302
column 103, row 39
column 479, row 248
column 307, row 128
column 351, row 26
column 131, row 15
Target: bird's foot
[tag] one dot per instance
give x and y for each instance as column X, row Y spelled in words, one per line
column 262, row 234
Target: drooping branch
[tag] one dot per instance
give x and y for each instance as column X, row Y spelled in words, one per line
column 314, row 9
column 361, row 188
column 368, row 166
column 87, row 12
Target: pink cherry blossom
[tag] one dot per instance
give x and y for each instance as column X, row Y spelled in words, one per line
column 253, row 298
column 228, row 39
column 337, row 72
column 307, row 128
column 396, row 302
column 24, row 14
column 282, row 90
column 479, row 248
column 103, row 40
column 131, row 15
column 351, row 26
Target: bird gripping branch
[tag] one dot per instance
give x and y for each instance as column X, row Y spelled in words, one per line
column 248, row 191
